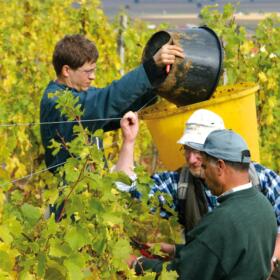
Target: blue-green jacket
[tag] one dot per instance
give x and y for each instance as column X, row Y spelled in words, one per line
column 131, row 92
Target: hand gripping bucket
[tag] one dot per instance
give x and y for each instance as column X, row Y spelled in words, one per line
column 194, row 78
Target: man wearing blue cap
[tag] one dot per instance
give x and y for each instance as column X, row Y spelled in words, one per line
column 236, row 240
column 191, row 197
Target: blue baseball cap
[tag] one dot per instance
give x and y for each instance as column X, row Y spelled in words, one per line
column 227, row 145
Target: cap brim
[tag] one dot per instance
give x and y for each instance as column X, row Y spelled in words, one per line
column 184, row 141
column 195, row 146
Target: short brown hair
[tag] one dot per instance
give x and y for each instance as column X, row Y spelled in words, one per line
column 74, row 51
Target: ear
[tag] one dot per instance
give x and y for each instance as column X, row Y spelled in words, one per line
column 65, row 71
column 221, row 167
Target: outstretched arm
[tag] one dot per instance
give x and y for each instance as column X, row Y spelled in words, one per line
column 129, row 125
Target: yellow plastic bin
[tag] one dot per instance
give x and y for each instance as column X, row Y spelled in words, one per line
column 235, row 104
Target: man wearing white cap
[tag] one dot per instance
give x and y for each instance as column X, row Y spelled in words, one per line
column 191, row 197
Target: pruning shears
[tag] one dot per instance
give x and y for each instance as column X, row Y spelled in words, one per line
column 144, row 250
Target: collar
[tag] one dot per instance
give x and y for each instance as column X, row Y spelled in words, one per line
column 64, row 86
column 237, row 189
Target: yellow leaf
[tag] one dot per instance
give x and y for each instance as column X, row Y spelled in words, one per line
column 12, row 253
column 269, row 119
column 14, row 164
column 247, row 46
column 262, row 77
column 262, row 95
column 272, row 101
column 271, row 83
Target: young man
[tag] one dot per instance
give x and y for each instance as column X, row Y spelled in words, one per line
column 74, row 61
column 191, row 196
column 236, row 240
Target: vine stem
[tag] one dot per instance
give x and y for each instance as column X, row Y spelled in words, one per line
column 72, row 189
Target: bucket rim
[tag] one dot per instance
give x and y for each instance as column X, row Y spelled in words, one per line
column 170, row 34
column 251, row 88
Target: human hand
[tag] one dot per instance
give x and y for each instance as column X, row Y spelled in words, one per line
column 275, row 264
column 131, row 260
column 165, row 248
column 130, row 126
column 167, row 53
column 168, row 248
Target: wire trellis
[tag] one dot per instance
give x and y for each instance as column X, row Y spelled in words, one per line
column 59, row 122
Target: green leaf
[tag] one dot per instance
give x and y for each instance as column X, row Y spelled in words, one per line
column 34, row 247
column 55, row 146
column 75, row 204
column 121, row 249
column 74, row 271
column 99, row 244
column 5, row 263
column 50, row 195
column 95, row 206
column 121, row 177
column 17, row 196
column 41, row 268
column 112, row 219
column 52, row 226
column 168, row 275
column 77, row 237
column 31, row 213
column 59, row 248
column 26, row 275
column 72, row 171
column 99, row 133
column 228, row 10
column 5, row 234
column 5, row 275
column 55, row 271
column 15, row 227
column 79, row 147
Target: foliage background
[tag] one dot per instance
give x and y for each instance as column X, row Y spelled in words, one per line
column 28, row 33
column 255, row 58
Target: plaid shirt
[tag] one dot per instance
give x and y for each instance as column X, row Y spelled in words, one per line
column 167, row 183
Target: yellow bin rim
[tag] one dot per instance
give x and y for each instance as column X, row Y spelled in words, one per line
column 223, row 93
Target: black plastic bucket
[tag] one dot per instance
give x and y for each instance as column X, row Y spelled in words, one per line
column 194, row 78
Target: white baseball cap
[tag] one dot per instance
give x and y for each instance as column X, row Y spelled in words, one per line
column 200, row 124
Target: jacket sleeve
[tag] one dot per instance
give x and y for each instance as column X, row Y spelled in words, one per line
column 131, row 92
column 197, row 261
column 144, row 264
column 194, row 261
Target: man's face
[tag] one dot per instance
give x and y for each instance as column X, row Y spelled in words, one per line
column 81, row 78
column 210, row 173
column 193, row 160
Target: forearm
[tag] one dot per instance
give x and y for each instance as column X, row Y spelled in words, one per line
column 277, row 247
column 126, row 158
